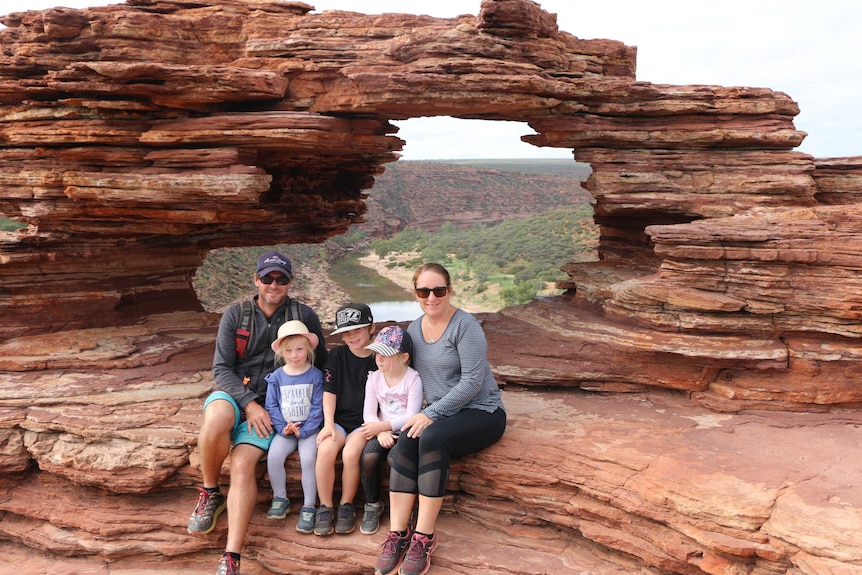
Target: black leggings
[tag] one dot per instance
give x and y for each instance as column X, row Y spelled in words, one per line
column 369, row 464
column 421, row 465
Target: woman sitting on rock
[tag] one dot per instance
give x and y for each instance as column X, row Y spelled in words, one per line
column 464, row 414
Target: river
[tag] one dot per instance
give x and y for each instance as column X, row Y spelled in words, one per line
column 388, row 301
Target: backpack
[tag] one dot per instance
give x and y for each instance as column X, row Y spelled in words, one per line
column 246, row 324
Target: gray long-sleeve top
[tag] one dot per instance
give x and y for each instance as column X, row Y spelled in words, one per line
column 229, row 370
column 455, row 371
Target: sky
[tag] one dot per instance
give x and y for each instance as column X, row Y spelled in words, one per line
column 810, row 50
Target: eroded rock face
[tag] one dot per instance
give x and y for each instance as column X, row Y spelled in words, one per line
column 134, row 138
column 99, row 462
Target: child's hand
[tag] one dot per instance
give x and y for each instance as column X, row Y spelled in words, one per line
column 386, row 439
column 328, row 432
column 370, row 429
column 367, row 432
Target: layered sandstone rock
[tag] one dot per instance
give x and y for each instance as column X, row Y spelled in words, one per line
column 134, row 138
column 99, row 461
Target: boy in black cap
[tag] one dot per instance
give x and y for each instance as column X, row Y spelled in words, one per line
column 343, row 400
column 234, row 414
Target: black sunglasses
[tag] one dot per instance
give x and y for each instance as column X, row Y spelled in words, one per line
column 438, row 291
column 280, row 280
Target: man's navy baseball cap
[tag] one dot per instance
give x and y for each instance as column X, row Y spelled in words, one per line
column 274, row 262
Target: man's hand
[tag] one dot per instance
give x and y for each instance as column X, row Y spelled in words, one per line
column 258, row 420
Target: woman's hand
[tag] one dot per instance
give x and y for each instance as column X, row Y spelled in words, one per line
column 417, row 424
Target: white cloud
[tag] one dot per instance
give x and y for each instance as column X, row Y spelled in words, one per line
column 811, row 51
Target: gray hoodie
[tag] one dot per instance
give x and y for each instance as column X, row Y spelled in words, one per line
column 230, row 371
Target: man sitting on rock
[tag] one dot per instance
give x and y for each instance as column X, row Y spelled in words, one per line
column 234, row 413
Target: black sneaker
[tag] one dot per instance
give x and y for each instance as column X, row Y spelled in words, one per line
column 346, row 522
column 323, row 521
column 371, row 518
column 392, row 553
column 227, row 565
column 207, row 509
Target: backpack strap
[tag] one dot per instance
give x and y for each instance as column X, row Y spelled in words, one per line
column 245, row 328
column 246, row 324
column 293, row 310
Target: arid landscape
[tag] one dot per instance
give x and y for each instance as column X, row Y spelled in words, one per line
column 490, row 192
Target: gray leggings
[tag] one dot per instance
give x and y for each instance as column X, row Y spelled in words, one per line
column 279, row 449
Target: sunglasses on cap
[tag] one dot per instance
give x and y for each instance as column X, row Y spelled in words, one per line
column 280, row 280
column 438, row 291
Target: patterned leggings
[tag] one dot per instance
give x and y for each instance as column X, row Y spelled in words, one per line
column 370, row 464
column 421, row 465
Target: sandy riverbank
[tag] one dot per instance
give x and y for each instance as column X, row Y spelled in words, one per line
column 403, row 276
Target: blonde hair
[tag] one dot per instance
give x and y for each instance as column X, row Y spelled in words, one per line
column 401, row 354
column 282, row 347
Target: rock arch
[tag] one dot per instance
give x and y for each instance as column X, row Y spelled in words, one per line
column 150, row 134
column 134, row 138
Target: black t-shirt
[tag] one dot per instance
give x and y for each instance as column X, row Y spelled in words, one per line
column 345, row 376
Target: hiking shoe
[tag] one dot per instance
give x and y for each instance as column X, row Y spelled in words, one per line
column 279, row 509
column 306, row 519
column 227, row 565
column 323, row 521
column 371, row 519
column 392, row 553
column 207, row 509
column 346, row 521
column 418, row 558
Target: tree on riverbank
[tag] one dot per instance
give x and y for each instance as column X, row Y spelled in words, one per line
column 521, row 257
column 503, row 259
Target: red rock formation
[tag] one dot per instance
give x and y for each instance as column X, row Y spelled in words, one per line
column 134, row 138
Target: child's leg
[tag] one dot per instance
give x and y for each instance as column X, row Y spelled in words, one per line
column 308, row 461
column 327, row 453
column 279, row 449
column 350, row 466
column 369, row 466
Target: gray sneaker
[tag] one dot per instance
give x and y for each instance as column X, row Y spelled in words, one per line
column 207, row 509
column 371, row 518
column 279, row 509
column 392, row 553
column 307, row 515
column 418, row 558
column 346, row 522
column 323, row 521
